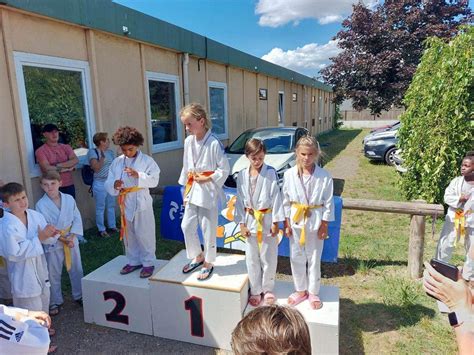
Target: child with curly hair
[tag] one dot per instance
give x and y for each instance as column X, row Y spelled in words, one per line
column 130, row 177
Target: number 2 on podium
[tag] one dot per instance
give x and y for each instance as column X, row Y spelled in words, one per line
column 194, row 306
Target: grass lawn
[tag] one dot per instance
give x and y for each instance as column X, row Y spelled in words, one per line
column 382, row 310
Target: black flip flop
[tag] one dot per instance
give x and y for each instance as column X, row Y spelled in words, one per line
column 209, row 273
column 190, row 267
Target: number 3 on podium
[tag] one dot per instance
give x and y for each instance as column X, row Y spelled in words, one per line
column 194, row 306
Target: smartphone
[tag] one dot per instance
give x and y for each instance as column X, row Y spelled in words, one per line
column 445, row 269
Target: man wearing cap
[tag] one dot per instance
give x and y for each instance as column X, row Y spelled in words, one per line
column 53, row 155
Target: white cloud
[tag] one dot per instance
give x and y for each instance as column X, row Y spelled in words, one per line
column 274, row 13
column 308, row 60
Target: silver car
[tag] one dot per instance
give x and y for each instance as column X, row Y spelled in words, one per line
column 280, row 143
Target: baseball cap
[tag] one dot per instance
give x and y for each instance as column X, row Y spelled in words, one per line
column 49, row 127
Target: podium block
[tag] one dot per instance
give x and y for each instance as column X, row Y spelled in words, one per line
column 118, row 301
column 200, row 312
column 323, row 323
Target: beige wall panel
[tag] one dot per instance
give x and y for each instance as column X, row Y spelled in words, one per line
column 170, row 164
column 216, row 72
column 197, row 82
column 161, row 60
column 295, row 105
column 120, row 84
column 288, row 104
column 236, row 98
column 272, row 104
column 262, row 117
column 250, row 99
column 41, row 36
column 10, row 168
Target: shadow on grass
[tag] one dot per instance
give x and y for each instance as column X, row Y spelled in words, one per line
column 333, row 142
column 355, row 319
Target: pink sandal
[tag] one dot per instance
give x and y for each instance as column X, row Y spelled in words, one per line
column 255, row 300
column 315, row 302
column 269, row 298
column 296, row 298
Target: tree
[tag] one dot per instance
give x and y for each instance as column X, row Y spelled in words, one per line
column 438, row 125
column 381, row 48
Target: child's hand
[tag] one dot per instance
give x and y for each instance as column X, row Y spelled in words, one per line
column 464, row 198
column 48, row 232
column 40, row 317
column 118, row 185
column 131, row 172
column 275, row 229
column 323, row 230
column 288, row 230
column 200, row 178
column 70, row 243
column 244, row 230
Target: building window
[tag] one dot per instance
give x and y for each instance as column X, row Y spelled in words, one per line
column 163, row 110
column 218, row 108
column 54, row 90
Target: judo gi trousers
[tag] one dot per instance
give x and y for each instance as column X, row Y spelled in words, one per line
column 37, row 303
column 207, row 220
column 261, row 264
column 140, row 245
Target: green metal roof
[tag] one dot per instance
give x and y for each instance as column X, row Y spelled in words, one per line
column 105, row 15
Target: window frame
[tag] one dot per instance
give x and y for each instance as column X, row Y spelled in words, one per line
column 219, row 85
column 22, row 59
column 167, row 78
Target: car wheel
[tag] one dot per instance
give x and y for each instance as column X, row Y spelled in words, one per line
column 389, row 156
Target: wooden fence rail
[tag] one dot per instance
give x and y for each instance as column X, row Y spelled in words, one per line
column 418, row 211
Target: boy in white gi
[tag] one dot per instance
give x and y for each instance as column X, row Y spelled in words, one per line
column 130, row 177
column 308, row 202
column 5, row 286
column 258, row 210
column 23, row 232
column 60, row 210
column 459, row 221
column 205, row 169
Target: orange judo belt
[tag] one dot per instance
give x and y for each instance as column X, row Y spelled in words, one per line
column 302, row 213
column 258, row 215
column 121, row 200
column 190, row 181
column 67, row 251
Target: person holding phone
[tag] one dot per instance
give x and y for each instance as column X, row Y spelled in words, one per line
column 459, row 298
column 459, row 222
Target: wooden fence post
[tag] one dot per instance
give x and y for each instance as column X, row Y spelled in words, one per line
column 416, row 246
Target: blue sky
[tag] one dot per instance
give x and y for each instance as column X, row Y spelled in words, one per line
column 293, row 33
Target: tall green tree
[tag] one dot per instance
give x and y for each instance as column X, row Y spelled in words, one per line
column 437, row 127
column 381, row 48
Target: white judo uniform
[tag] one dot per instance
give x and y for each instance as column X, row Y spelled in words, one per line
column 24, row 336
column 67, row 219
column 448, row 235
column 27, row 268
column 202, row 201
column 140, row 243
column 264, row 195
column 311, row 190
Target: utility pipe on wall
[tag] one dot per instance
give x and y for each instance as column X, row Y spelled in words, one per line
column 186, row 78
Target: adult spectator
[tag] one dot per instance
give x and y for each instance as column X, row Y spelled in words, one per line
column 53, row 155
column 100, row 159
column 272, row 330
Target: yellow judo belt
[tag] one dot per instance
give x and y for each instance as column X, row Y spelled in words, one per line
column 302, row 213
column 190, row 181
column 258, row 215
column 67, row 251
column 121, row 201
column 460, row 224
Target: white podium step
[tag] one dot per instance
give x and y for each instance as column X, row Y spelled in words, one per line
column 118, row 301
column 200, row 312
column 323, row 323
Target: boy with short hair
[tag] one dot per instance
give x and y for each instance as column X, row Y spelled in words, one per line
column 60, row 210
column 24, row 231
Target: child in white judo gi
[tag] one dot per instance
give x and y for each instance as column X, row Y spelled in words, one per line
column 24, row 231
column 308, row 202
column 205, row 169
column 130, row 177
column 459, row 221
column 258, row 211
column 60, row 210
column 5, row 286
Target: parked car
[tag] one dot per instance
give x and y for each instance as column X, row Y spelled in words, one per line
column 381, row 146
column 390, row 128
column 280, row 143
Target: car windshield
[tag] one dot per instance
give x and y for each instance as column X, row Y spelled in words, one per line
column 277, row 141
